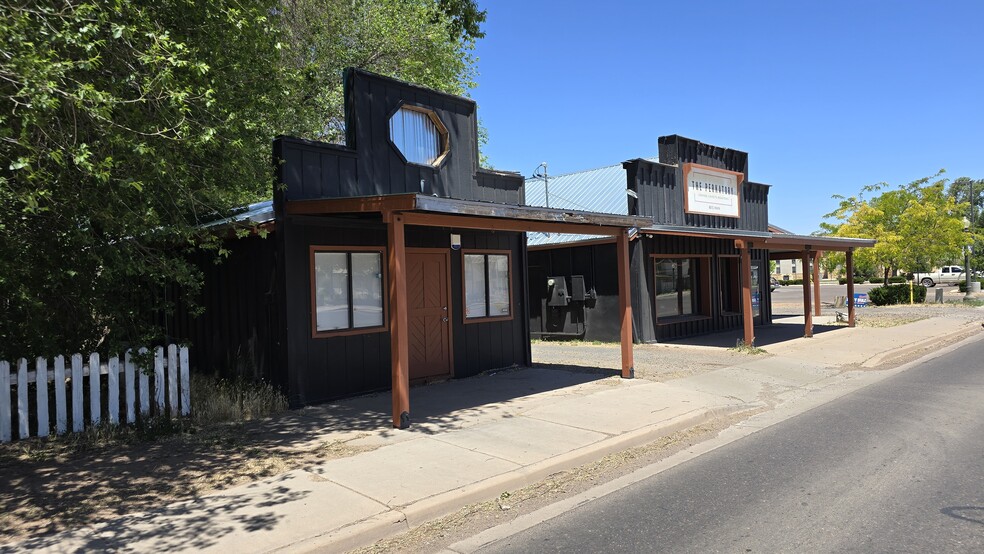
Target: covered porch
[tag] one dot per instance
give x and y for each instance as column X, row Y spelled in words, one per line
column 400, row 211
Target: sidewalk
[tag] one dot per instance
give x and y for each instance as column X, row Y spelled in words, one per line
column 476, row 438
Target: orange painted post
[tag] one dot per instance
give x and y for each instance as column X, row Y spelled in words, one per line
column 399, row 336
column 746, row 292
column 816, row 283
column 807, row 312
column 625, row 304
column 850, row 288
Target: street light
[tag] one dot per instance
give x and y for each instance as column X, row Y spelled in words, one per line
column 541, row 173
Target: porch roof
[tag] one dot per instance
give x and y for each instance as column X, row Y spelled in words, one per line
column 431, row 210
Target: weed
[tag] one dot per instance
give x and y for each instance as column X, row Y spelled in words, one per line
column 743, row 348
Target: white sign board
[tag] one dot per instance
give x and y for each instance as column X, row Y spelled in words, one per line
column 712, row 191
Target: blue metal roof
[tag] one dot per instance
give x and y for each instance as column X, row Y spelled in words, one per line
column 260, row 212
column 595, row 190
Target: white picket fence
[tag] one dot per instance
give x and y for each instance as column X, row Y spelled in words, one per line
column 171, row 389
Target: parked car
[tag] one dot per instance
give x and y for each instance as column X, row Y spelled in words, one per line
column 946, row 275
column 773, row 284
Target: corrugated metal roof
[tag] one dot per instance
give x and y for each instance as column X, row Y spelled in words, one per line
column 595, row 190
column 260, row 212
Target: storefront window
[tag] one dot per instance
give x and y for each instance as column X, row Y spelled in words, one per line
column 675, row 287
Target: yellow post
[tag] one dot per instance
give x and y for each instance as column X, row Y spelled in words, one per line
column 910, row 293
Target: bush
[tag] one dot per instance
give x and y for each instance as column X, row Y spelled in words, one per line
column 792, row 282
column 896, row 294
column 857, row 280
column 897, row 279
column 963, row 285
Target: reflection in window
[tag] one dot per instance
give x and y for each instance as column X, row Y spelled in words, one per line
column 486, row 285
column 417, row 136
column 348, row 290
column 675, row 286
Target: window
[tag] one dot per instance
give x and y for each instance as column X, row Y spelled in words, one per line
column 487, row 292
column 347, row 290
column 730, row 284
column 419, row 135
column 681, row 287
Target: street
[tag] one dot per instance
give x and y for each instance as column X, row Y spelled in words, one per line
column 893, row 467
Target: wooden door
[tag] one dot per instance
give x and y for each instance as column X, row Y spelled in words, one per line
column 429, row 313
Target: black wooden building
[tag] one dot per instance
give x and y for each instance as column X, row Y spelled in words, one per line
column 700, row 266
column 390, row 259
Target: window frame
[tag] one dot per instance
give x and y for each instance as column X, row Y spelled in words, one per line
column 702, row 288
column 444, row 137
column 348, row 250
column 464, row 287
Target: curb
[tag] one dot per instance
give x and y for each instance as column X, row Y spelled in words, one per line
column 401, row 519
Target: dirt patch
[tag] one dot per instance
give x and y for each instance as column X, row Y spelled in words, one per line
column 50, row 486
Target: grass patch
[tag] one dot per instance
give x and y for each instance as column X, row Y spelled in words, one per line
column 233, row 401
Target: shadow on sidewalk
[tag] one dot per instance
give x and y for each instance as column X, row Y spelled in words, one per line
column 765, row 335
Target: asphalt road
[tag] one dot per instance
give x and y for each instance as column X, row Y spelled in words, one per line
column 897, row 466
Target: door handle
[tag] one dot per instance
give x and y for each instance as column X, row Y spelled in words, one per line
column 444, row 319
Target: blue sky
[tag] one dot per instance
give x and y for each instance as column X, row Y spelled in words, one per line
column 824, row 96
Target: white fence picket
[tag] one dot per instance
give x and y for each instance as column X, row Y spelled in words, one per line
column 5, row 431
column 22, row 407
column 41, row 388
column 159, row 378
column 78, row 419
column 131, row 390
column 144, row 388
column 172, row 391
column 172, row 378
column 113, row 379
column 185, row 383
column 95, row 388
column 61, row 412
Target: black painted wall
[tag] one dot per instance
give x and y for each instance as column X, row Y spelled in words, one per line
column 320, row 369
column 660, row 186
column 369, row 164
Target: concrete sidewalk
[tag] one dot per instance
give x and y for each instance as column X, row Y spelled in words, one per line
column 475, row 438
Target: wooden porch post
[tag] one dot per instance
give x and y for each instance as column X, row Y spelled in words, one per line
column 625, row 304
column 399, row 338
column 850, row 287
column 746, row 291
column 807, row 294
column 816, row 283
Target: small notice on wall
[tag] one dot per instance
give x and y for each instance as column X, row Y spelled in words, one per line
column 712, row 191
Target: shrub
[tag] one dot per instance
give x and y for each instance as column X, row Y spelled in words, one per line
column 857, row 280
column 897, row 279
column 963, row 285
column 896, row 294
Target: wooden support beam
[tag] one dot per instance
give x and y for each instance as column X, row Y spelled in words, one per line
column 625, row 304
column 399, row 334
column 746, row 292
column 816, row 283
column 807, row 294
column 500, row 224
column 850, row 288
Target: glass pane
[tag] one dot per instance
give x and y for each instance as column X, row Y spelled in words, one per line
column 687, row 278
column 331, row 290
column 475, row 286
column 415, row 135
column 498, row 285
column 666, row 288
column 367, row 289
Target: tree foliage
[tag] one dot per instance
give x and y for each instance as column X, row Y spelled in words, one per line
column 126, row 124
column 916, row 225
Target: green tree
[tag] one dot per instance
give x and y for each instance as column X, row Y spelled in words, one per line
column 971, row 191
column 915, row 225
column 126, row 124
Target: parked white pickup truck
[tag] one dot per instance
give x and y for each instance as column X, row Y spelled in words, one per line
column 946, row 275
